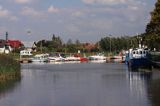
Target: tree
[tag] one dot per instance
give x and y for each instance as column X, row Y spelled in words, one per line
column 56, row 41
column 152, row 36
column 77, row 42
column 69, row 42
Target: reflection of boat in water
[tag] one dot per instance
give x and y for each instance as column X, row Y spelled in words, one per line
column 97, row 57
column 40, row 58
column 97, row 61
column 114, row 61
column 64, row 62
column 137, row 82
column 72, row 62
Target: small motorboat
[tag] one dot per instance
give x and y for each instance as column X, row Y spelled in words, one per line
column 97, row 57
column 40, row 58
column 55, row 58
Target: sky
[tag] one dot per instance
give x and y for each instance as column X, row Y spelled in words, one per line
column 86, row 20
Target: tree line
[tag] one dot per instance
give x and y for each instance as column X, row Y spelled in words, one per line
column 57, row 45
column 116, row 44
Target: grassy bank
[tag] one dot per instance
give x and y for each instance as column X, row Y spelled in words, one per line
column 9, row 68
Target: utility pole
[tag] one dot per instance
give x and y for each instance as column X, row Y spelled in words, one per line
column 6, row 36
column 110, row 43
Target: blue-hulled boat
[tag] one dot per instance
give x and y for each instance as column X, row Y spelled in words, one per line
column 138, row 58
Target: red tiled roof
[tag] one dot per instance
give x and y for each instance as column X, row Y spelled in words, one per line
column 15, row 43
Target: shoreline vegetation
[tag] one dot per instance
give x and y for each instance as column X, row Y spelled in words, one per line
column 9, row 68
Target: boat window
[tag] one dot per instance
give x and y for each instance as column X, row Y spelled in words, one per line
column 133, row 52
column 140, row 52
column 137, row 52
column 144, row 52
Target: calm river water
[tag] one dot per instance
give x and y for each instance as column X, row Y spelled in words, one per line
column 82, row 84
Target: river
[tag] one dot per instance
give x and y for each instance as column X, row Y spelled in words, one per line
column 82, row 84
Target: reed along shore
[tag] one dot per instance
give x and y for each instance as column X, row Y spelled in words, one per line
column 9, row 68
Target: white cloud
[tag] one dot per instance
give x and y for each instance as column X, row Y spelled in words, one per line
column 88, row 1
column 27, row 11
column 23, row 1
column 78, row 13
column 13, row 18
column 114, row 2
column 108, row 2
column 4, row 12
column 52, row 9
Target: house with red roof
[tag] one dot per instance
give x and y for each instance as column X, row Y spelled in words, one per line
column 15, row 44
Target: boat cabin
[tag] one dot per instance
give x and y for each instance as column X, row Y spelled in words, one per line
column 139, row 53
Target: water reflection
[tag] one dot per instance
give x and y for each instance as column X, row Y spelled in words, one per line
column 8, row 86
column 84, row 84
column 138, row 82
column 154, row 89
column 145, row 83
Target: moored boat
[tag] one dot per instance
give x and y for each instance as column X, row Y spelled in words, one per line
column 137, row 58
column 72, row 58
column 55, row 58
column 40, row 58
column 97, row 57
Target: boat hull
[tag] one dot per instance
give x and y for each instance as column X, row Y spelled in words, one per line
column 139, row 63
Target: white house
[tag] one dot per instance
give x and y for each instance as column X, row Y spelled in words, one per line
column 25, row 53
column 4, row 48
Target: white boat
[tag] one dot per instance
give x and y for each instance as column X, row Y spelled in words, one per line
column 72, row 58
column 97, row 57
column 40, row 58
column 55, row 58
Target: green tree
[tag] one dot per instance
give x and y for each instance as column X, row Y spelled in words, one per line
column 56, row 42
column 152, row 37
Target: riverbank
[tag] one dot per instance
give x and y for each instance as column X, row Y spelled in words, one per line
column 9, row 68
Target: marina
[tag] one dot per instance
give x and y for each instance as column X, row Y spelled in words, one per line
column 79, row 52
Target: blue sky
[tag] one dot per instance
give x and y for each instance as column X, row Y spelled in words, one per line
column 86, row 20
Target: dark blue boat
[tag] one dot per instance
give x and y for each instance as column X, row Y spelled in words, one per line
column 138, row 58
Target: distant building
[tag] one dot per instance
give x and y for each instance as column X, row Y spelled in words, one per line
column 7, row 46
column 26, row 52
column 4, row 47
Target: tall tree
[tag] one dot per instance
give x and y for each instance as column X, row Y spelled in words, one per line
column 152, row 37
column 56, row 42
